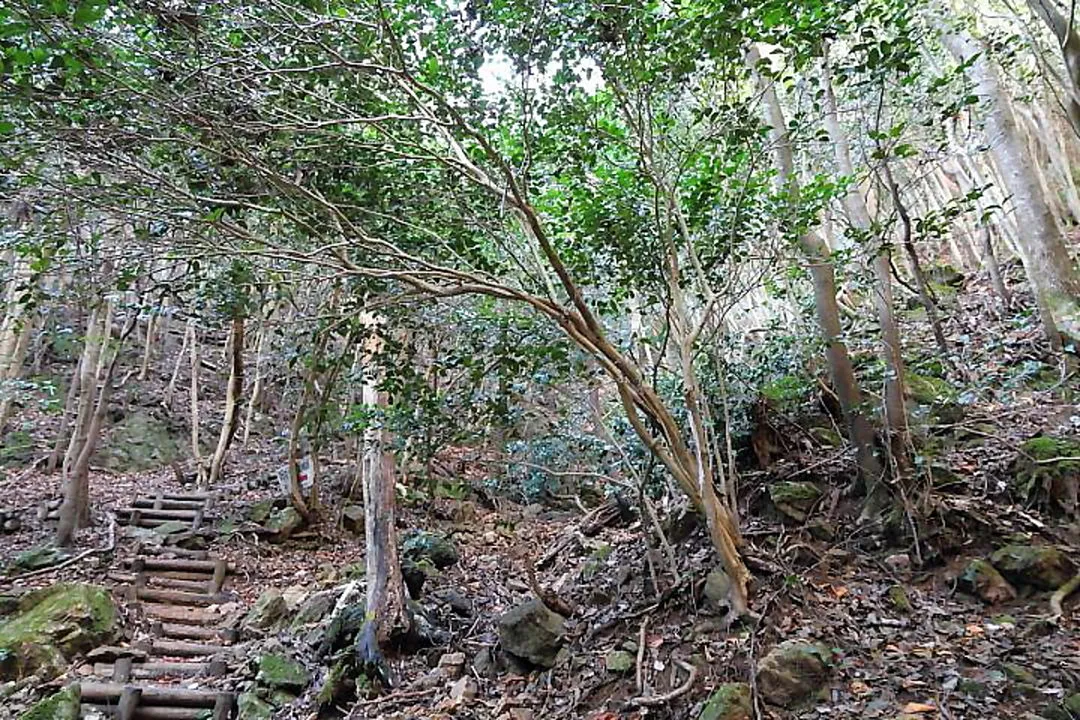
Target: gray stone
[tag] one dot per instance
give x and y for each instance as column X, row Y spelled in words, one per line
column 63, row 705
column 267, row 611
column 618, row 661
column 718, row 588
column 532, row 632
column 314, row 608
column 283, row 523
column 794, row 499
column 282, row 673
column 250, row 706
column 983, row 579
column 792, row 672
column 352, row 519
column 430, row 547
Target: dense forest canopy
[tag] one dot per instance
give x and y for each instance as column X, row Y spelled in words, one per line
column 681, row 253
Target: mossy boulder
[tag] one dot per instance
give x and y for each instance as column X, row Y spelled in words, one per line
column 284, row 522
column 280, row 672
column 1067, row 709
column 794, row 499
column 35, row 558
column 63, row 705
column 17, row 448
column 267, row 611
column 142, row 441
column 618, row 661
column 430, row 547
column 250, row 706
column 1039, row 566
column 53, row 626
column 935, row 399
column 982, row 578
column 793, row 671
column 730, row 701
column 1047, row 469
column 532, row 632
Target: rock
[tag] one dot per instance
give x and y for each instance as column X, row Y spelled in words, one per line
column 730, row 701
column 53, row 626
column 983, row 579
column 792, row 672
column 484, row 664
column 35, row 558
column 414, row 576
column 1040, row 566
column 314, row 608
column 1068, row 709
column 283, row 523
column 452, row 664
column 532, row 632
column 282, row 673
column 464, row 690
column 250, row 706
column 170, row 527
column 430, row 547
column 618, row 661
column 63, row 705
column 794, row 499
column 717, row 588
column 899, row 598
column 458, row 603
column 260, row 512
column 267, row 611
column 142, row 441
column 899, row 563
column 1019, row 674
column 335, row 685
column 352, row 519
column 1037, row 475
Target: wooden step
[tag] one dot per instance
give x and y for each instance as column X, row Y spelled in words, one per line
column 167, row 550
column 165, row 504
column 182, row 615
column 159, row 514
column 194, row 632
column 175, row 597
column 177, row 648
column 153, row 712
column 145, row 522
column 182, row 565
column 170, row 695
column 157, row 668
column 198, row 586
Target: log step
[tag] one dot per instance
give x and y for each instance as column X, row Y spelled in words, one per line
column 159, row 514
column 197, row 586
column 194, row 632
column 164, row 504
column 182, row 615
column 183, row 565
column 175, row 696
column 156, row 669
column 146, row 522
column 167, row 550
column 177, row 597
column 177, row 648
column 142, row 712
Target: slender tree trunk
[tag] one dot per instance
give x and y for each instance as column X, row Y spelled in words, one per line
column 196, row 450
column 148, row 347
column 77, row 510
column 170, row 389
column 1069, row 42
column 232, row 399
column 70, row 402
column 859, row 216
column 823, row 276
column 1054, row 280
column 257, row 385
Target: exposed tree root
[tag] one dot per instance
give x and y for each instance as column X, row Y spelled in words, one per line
column 1063, row 592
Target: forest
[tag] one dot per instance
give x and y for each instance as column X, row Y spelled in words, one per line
column 539, row 359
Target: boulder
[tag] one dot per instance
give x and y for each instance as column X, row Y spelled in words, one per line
column 532, row 632
column 352, row 519
column 52, row 626
column 142, row 441
column 250, row 706
column 794, row 499
column 792, row 672
column 41, row 556
column 283, row 523
column 1039, row 566
column 717, row 588
column 730, row 701
column 260, row 512
column 314, row 608
column 1041, row 472
column 282, row 673
column 983, row 579
column 63, row 705
column 1067, row 709
column 431, row 547
column 267, row 611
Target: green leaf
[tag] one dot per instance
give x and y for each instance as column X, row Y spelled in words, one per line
column 6, row 127
column 90, row 11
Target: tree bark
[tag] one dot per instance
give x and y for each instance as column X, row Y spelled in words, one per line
column 196, row 450
column 1069, row 42
column 232, row 399
column 823, row 275
column 1049, row 268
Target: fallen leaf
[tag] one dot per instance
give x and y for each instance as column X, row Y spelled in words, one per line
column 914, row 707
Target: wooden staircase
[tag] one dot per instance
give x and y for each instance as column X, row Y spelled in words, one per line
column 171, row 588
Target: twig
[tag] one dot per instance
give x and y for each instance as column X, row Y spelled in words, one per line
column 639, row 675
column 72, row 560
column 1063, row 592
column 654, row 700
column 391, row 698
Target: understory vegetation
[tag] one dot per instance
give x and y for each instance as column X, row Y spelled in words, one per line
column 681, row 359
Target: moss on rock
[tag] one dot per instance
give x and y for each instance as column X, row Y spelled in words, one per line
column 1047, row 469
column 794, row 499
column 54, row 625
column 278, row 671
column 730, row 701
column 1040, row 566
column 63, row 705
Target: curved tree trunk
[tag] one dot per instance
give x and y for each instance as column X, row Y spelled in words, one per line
column 232, row 399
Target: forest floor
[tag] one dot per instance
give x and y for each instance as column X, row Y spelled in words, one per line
column 908, row 640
